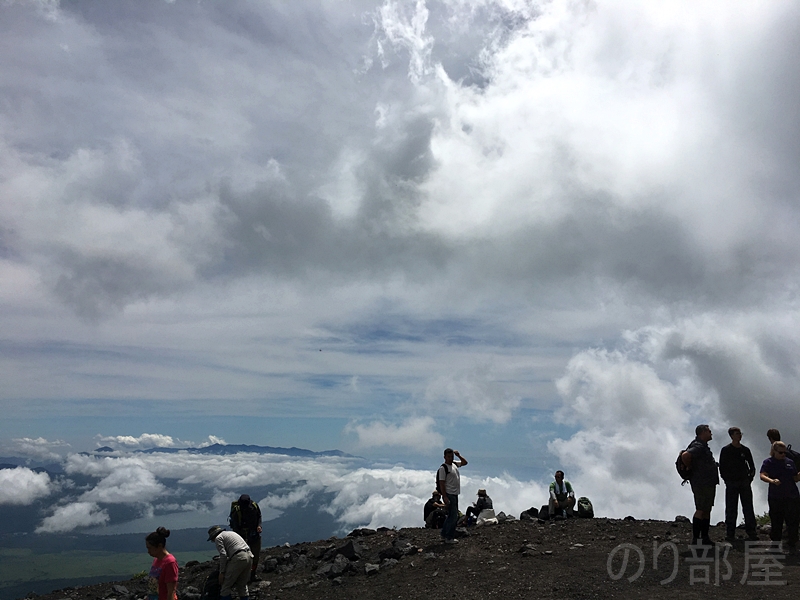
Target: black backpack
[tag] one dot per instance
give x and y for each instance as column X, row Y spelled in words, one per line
column 794, row 455
column 211, row 586
column 585, row 508
column 436, row 476
column 684, row 471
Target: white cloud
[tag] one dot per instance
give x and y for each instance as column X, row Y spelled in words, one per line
column 415, row 432
column 69, row 517
column 144, row 441
column 23, row 486
column 38, row 448
column 637, row 407
column 474, row 394
column 537, row 179
column 126, row 484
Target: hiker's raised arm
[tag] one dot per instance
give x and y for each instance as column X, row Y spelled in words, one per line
column 463, row 460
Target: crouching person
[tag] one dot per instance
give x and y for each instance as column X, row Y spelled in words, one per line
column 235, row 560
column 434, row 511
column 562, row 498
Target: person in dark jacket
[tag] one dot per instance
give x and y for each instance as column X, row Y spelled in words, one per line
column 483, row 502
column 704, row 480
column 737, row 469
column 245, row 519
column 434, row 512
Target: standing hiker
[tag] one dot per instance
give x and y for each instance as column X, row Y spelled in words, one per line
column 449, row 481
column 164, row 570
column 245, row 519
column 737, row 469
column 704, row 479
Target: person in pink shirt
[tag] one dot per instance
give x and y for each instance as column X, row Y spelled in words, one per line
column 164, row 570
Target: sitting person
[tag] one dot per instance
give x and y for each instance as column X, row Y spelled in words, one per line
column 562, row 497
column 434, row 511
column 482, row 503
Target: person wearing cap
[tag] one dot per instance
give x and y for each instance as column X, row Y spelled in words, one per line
column 235, row 560
column 245, row 519
column 434, row 512
column 483, row 502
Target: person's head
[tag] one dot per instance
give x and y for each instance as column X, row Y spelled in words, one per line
column 244, row 500
column 448, row 455
column 481, row 492
column 735, row 433
column 559, row 476
column 703, row 432
column 436, row 495
column 213, row 532
column 156, row 542
column 773, row 435
column 778, row 450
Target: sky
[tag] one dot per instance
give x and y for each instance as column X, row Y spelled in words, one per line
column 555, row 234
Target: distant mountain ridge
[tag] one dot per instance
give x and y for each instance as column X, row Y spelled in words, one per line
column 222, row 449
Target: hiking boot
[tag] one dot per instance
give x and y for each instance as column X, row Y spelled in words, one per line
column 707, row 542
column 752, row 536
column 451, row 541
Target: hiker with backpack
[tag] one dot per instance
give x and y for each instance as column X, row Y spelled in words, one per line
column 781, row 473
column 737, row 469
column 235, row 560
column 562, row 497
column 703, row 476
column 448, row 482
column 245, row 519
column 773, row 435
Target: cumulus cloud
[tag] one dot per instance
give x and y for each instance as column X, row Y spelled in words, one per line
column 72, row 516
column 126, row 484
column 144, row 441
column 599, row 195
column 23, row 486
column 415, row 432
column 476, row 394
column 38, row 448
column 637, row 407
column 361, row 495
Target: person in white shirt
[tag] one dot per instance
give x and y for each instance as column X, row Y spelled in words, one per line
column 449, row 481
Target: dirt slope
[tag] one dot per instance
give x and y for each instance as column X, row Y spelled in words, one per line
column 516, row 559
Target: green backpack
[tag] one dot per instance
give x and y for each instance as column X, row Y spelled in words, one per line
column 585, row 508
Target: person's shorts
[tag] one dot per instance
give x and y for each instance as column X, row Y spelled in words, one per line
column 704, row 497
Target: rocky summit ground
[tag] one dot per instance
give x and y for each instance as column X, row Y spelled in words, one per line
column 572, row 559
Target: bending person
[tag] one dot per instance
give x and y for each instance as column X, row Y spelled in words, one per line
column 235, row 560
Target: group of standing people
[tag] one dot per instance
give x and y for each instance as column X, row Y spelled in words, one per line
column 238, row 551
column 737, row 468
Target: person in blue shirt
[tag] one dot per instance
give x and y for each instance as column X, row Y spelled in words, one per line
column 783, row 496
